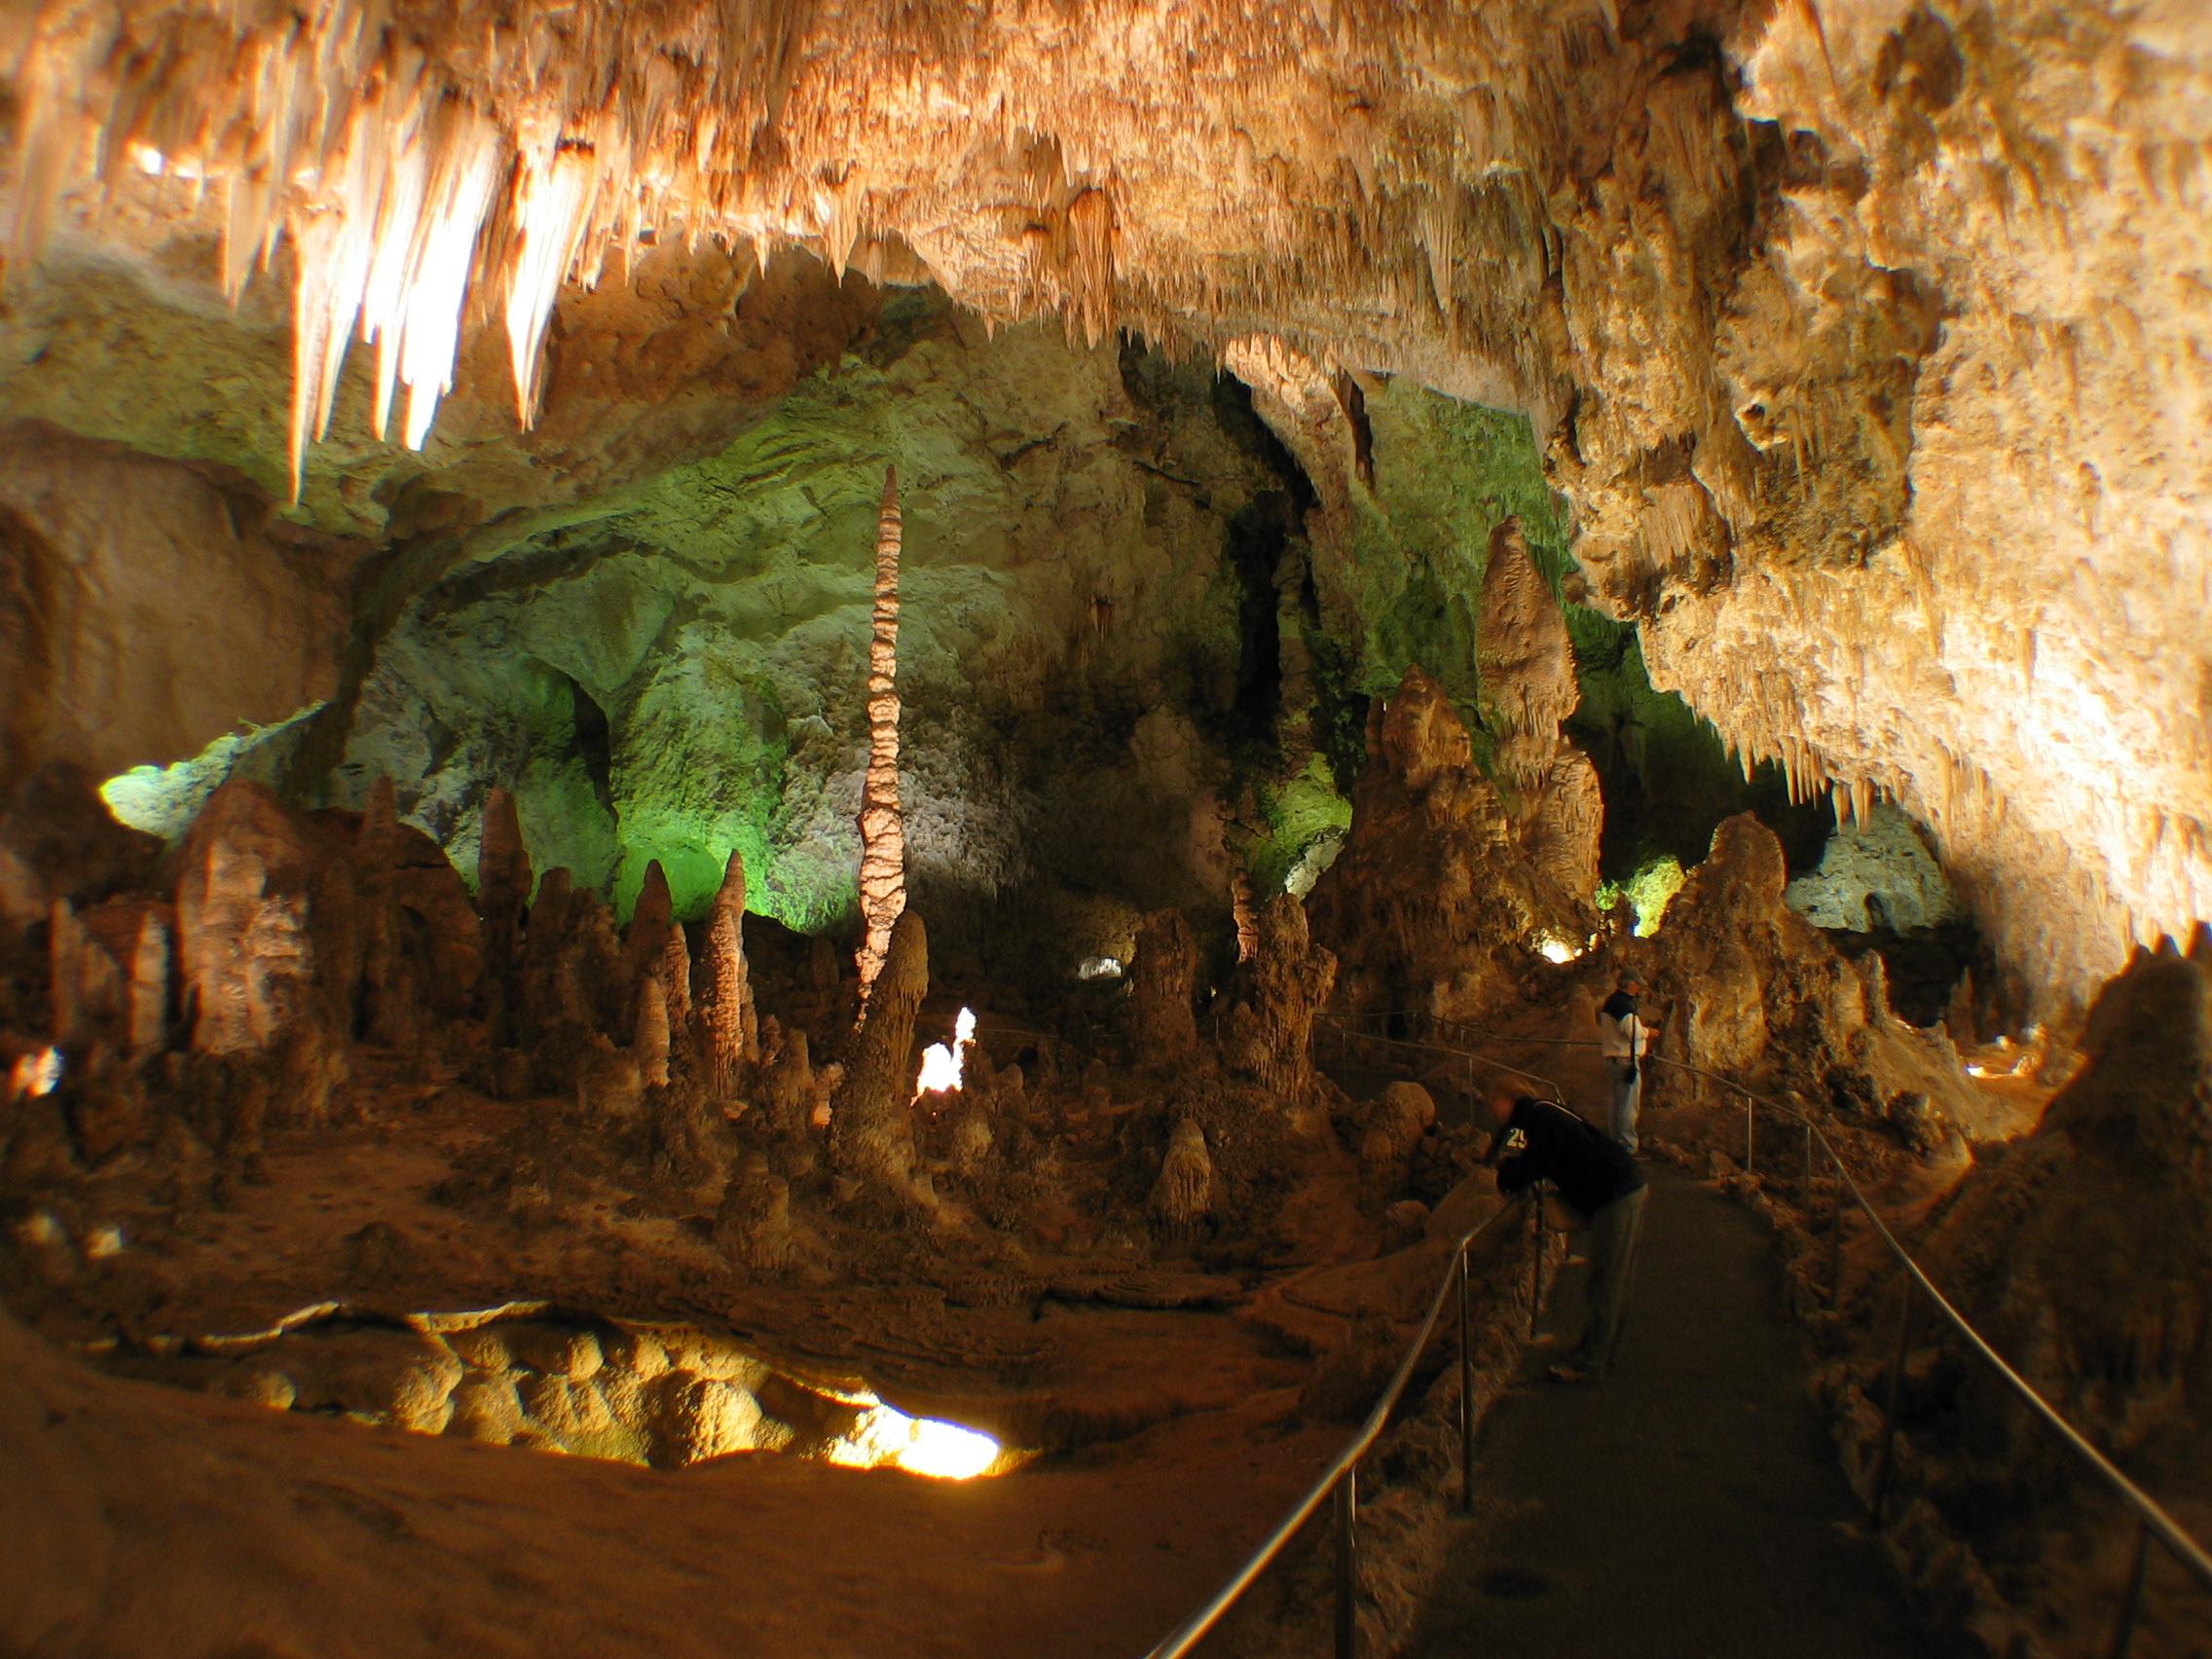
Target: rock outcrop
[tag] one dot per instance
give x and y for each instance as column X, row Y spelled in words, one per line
column 1268, row 1034
column 1162, row 986
column 1434, row 903
column 1750, row 990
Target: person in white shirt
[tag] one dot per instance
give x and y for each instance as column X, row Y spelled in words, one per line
column 1623, row 1040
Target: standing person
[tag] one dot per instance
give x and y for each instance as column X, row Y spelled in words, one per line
column 1623, row 1040
column 1539, row 1140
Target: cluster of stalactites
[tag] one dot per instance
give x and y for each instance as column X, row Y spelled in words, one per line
column 415, row 156
column 883, row 831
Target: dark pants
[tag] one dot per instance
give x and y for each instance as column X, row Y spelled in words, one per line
column 1613, row 1256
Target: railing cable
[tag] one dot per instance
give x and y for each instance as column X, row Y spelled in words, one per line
column 1339, row 1479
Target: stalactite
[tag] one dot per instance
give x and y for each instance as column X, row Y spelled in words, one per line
column 883, row 832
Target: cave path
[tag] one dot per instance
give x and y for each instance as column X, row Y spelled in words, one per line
column 1691, row 1504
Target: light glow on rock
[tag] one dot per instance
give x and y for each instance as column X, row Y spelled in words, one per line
column 1555, row 947
column 919, row 1446
column 35, row 1073
column 942, row 1067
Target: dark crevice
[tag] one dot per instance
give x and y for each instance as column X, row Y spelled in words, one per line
column 595, row 742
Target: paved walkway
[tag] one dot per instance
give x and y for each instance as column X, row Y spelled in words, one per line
column 1688, row 1507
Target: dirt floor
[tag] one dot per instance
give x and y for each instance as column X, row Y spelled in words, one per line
column 1163, row 1397
column 144, row 1520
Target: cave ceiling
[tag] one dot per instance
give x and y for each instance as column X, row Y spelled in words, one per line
column 1869, row 343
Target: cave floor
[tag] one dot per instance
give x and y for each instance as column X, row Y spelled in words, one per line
column 147, row 1520
column 160, row 1519
column 1691, row 1504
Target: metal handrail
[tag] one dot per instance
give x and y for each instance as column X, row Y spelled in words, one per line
column 2152, row 1518
column 2148, row 1512
column 1339, row 1021
column 1341, row 1477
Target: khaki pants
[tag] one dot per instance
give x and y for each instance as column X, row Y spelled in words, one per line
column 1613, row 1231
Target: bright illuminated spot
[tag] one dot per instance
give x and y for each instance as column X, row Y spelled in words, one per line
column 163, row 800
column 940, row 1072
column 148, row 159
column 103, row 1241
column 1100, row 968
column 1974, row 1070
column 35, row 1073
column 941, row 1066
column 920, row 1446
column 1553, row 949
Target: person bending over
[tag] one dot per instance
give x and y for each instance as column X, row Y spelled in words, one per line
column 1599, row 1181
column 1623, row 1039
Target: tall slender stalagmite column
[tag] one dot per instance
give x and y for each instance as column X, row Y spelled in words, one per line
column 727, row 1028
column 883, row 832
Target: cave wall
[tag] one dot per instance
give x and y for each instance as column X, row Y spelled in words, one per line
column 150, row 607
column 1073, row 648
column 1866, row 341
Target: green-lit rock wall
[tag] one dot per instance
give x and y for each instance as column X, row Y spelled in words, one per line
column 677, row 669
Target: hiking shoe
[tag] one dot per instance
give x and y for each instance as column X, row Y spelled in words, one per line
column 1569, row 1374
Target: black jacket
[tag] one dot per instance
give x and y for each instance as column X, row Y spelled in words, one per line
column 1543, row 1141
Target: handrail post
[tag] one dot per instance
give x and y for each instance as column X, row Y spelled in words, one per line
column 1749, row 1144
column 1466, row 1394
column 1535, row 1255
column 2124, row 1631
column 1807, row 1188
column 1347, row 1564
column 1895, row 1392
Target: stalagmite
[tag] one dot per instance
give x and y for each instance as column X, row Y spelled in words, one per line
column 649, row 1046
column 503, row 895
column 149, row 988
column 649, row 922
column 727, row 1034
column 380, row 837
column 1165, row 966
column 1182, row 1198
column 1240, row 910
column 675, row 971
column 79, row 973
column 871, row 1122
column 883, row 834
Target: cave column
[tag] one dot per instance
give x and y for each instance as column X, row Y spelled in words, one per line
column 883, row 834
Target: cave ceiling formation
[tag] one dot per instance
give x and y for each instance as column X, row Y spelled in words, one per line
column 1866, row 341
